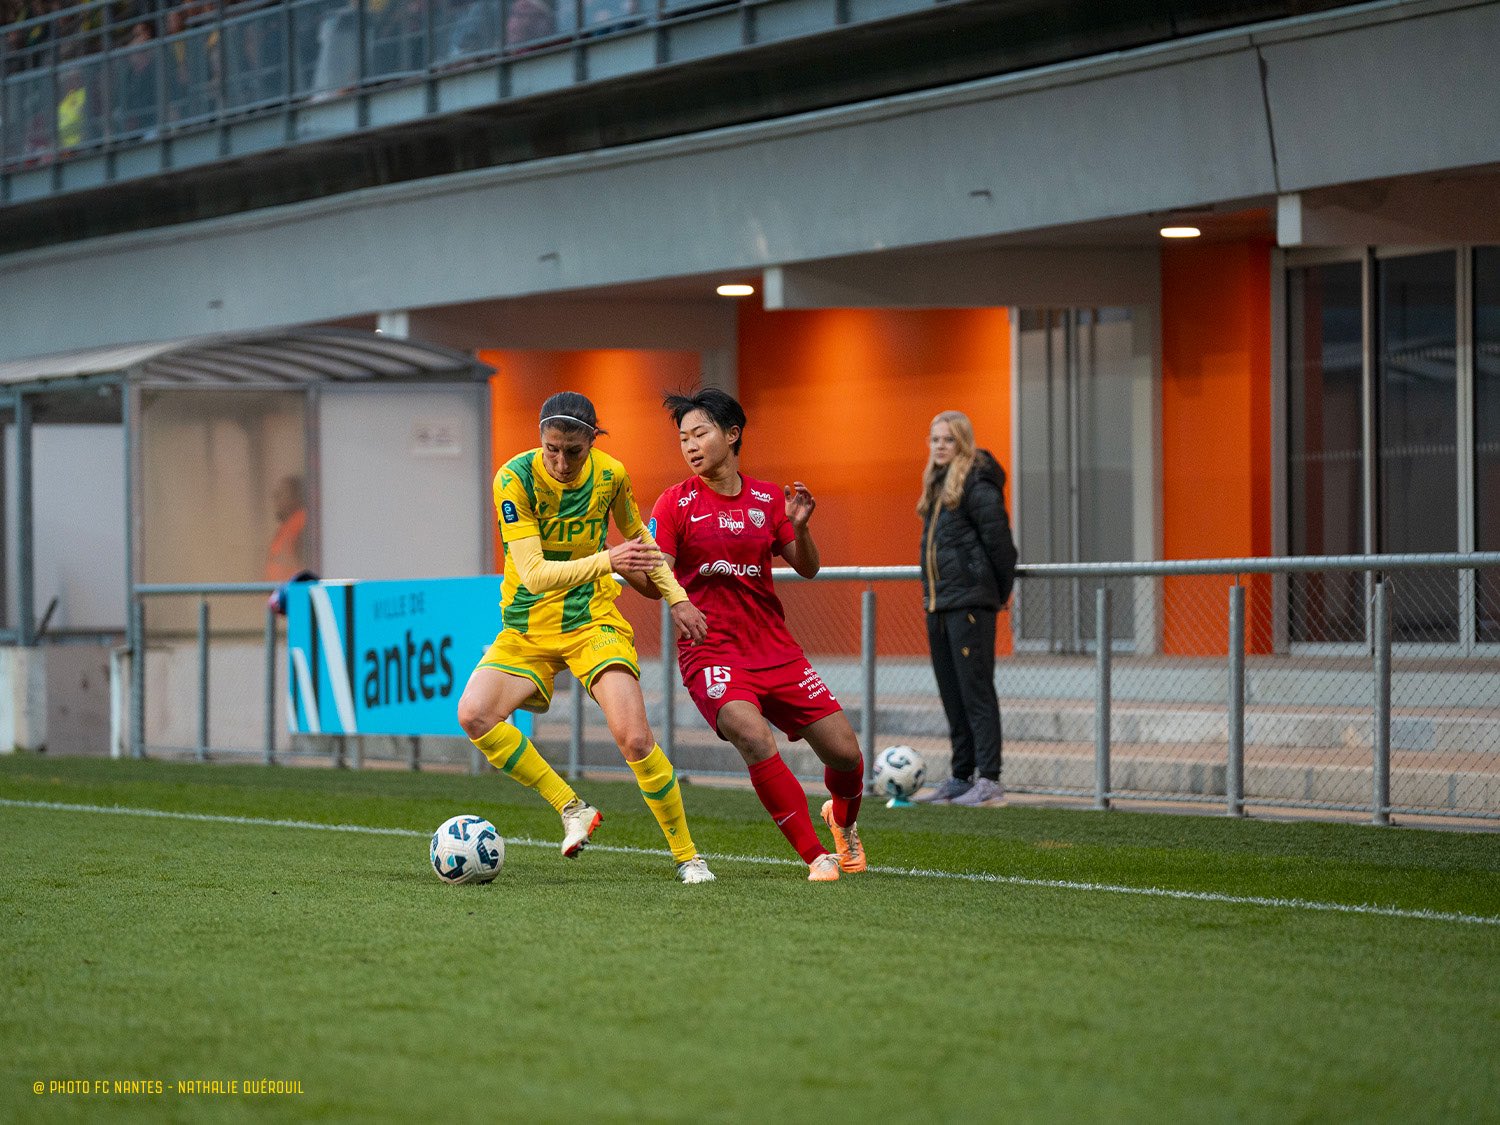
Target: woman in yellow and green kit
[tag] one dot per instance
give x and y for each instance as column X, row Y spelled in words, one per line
column 554, row 505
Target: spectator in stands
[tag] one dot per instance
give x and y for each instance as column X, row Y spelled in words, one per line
column 135, row 109
column 183, row 92
column 968, row 570
column 72, row 109
column 32, row 44
column 471, row 31
column 337, row 68
column 526, row 21
column 610, row 15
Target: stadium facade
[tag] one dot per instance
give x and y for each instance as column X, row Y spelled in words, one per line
column 949, row 206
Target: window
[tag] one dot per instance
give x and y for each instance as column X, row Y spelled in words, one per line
column 1384, row 458
column 1325, row 375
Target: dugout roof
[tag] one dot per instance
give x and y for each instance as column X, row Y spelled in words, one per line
column 265, row 360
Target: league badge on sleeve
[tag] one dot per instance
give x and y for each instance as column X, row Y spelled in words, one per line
column 508, row 511
column 651, row 526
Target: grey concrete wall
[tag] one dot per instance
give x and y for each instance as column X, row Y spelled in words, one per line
column 1389, row 90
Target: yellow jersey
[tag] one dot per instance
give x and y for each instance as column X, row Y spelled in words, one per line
column 572, row 521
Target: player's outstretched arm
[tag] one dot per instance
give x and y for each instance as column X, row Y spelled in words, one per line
column 642, row 584
column 542, row 575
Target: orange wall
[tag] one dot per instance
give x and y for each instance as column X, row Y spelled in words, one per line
column 842, row 399
column 1216, row 432
column 625, row 388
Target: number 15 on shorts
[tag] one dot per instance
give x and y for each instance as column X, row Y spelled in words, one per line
column 715, row 680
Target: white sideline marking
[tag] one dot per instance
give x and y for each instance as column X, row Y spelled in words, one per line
column 914, row 872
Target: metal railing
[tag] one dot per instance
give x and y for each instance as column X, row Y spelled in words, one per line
column 87, row 78
column 1367, row 684
column 139, row 649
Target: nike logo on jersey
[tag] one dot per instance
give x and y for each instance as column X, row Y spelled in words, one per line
column 695, row 519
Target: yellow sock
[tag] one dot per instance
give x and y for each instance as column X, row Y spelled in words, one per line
column 658, row 782
column 513, row 753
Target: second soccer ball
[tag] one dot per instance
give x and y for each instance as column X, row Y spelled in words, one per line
column 899, row 772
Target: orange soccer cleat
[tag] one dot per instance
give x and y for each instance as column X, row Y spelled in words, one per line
column 845, row 841
column 824, row 869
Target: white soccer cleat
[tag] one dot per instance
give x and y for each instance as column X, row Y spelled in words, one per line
column 694, row 870
column 579, row 821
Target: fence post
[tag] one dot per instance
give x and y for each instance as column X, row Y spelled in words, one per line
column 575, row 734
column 1102, row 644
column 867, row 671
column 138, row 680
column 668, row 686
column 1234, row 769
column 270, row 732
column 1381, row 743
column 202, row 754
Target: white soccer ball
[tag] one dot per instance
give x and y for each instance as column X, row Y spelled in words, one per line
column 467, row 849
column 899, row 772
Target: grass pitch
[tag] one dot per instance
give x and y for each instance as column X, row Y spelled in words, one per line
column 143, row 949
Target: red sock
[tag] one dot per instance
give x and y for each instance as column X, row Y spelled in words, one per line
column 784, row 799
column 848, row 790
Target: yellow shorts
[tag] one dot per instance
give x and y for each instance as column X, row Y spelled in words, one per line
column 585, row 652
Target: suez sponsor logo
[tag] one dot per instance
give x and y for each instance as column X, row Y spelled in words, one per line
column 726, row 569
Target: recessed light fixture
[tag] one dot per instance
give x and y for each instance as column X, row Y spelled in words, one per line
column 735, row 290
column 1180, row 232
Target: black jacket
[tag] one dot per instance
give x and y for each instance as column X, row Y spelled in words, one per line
column 970, row 546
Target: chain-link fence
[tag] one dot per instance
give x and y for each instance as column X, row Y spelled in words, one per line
column 1272, row 683
column 1293, row 723
column 212, row 679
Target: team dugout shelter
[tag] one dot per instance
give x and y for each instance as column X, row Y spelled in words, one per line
column 221, row 459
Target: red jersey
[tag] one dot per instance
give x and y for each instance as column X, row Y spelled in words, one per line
column 722, row 548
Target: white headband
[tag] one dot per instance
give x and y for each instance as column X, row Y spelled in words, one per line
column 570, row 418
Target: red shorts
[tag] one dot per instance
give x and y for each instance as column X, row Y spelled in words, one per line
column 791, row 696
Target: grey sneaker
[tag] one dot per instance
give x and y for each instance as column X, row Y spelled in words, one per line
column 983, row 792
column 947, row 792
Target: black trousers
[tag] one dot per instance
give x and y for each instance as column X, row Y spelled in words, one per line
column 963, row 659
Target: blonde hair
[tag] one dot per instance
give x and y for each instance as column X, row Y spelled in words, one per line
column 938, row 488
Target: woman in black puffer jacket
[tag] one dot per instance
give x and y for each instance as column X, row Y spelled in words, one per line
column 968, row 569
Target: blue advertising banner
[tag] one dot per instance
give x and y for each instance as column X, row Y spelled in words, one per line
column 387, row 657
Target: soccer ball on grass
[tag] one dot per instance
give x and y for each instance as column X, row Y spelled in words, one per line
column 467, row 849
column 899, row 773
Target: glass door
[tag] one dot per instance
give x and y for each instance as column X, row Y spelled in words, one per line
column 1417, row 424
column 1393, row 383
column 1075, row 454
column 1486, row 319
column 1324, row 459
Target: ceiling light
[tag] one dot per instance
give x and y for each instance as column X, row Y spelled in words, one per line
column 735, row 290
column 1180, row 232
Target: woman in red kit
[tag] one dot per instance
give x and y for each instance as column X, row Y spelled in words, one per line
column 719, row 530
